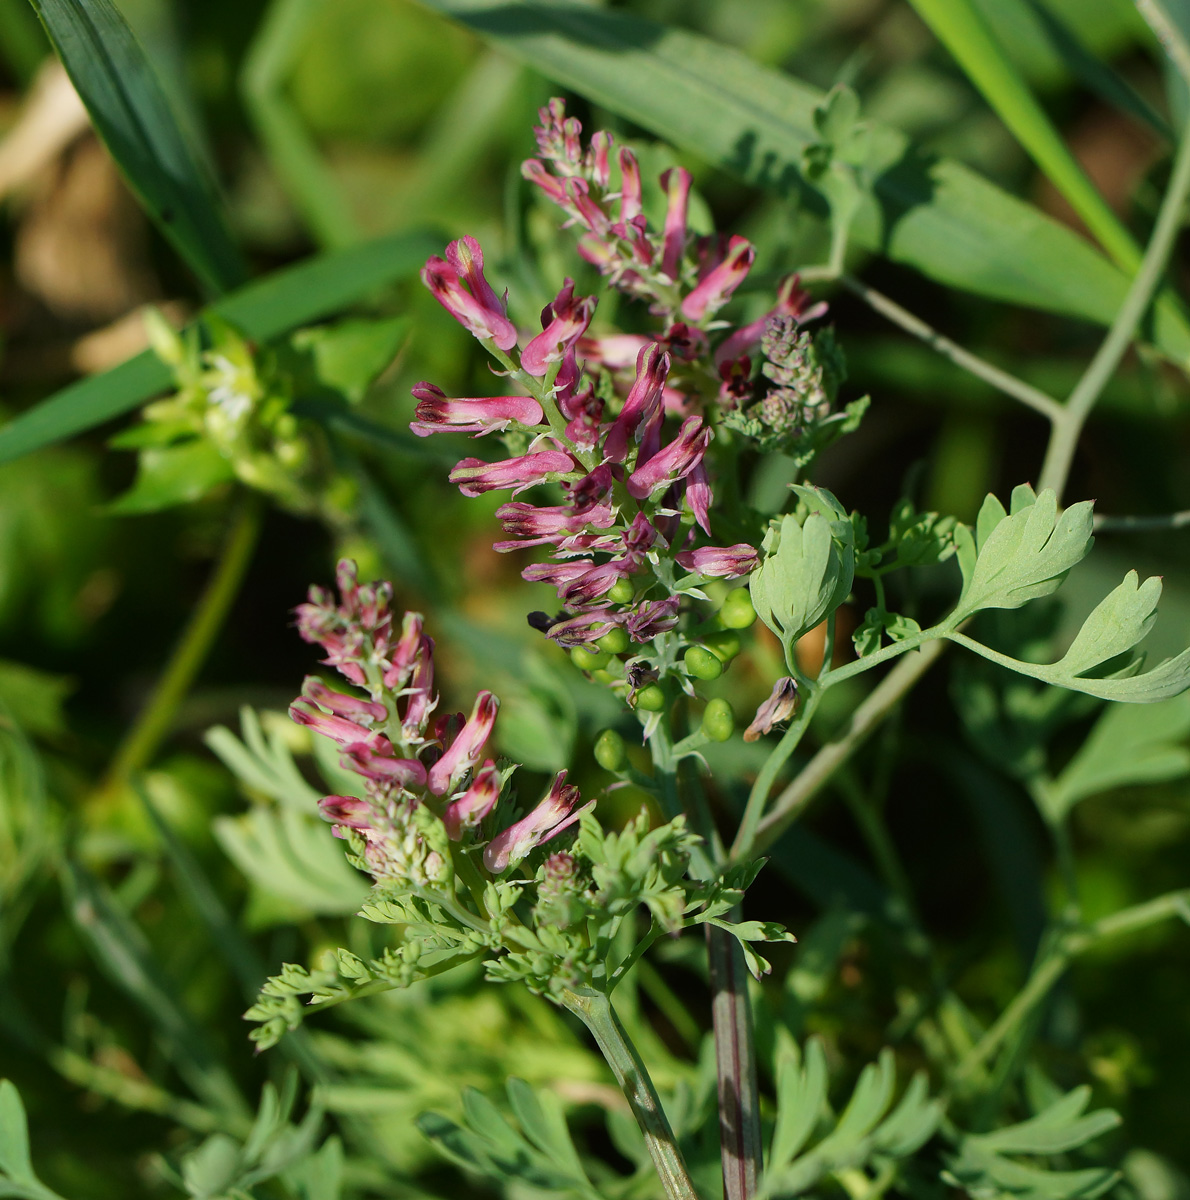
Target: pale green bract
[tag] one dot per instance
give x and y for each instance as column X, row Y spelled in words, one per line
column 807, row 569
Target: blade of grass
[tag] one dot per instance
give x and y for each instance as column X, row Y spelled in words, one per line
column 263, row 309
column 933, row 214
column 131, row 113
column 961, row 29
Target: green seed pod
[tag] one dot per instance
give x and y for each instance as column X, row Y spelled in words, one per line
column 702, row 664
column 725, row 646
column 651, row 697
column 718, row 720
column 610, row 751
column 621, row 592
column 737, row 611
column 589, row 660
column 603, row 676
column 615, row 641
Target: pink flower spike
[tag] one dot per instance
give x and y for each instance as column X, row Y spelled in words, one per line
column 475, row 306
column 338, row 729
column 601, row 144
column 676, row 183
column 778, row 707
column 421, row 702
column 630, row 190
column 672, row 462
column 380, row 768
column 563, row 322
column 643, row 402
column 437, row 414
column 719, row 562
column 448, row 772
column 699, row 496
column 555, row 813
column 716, row 288
column 534, row 170
column 474, row 804
column 474, row 476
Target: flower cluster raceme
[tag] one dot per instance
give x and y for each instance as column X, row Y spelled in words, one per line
column 425, row 781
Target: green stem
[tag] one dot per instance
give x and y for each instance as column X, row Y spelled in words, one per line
column 595, row 1011
column 157, row 718
column 1178, row 520
column 1060, row 452
column 1010, row 385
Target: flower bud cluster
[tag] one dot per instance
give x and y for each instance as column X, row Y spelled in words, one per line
column 425, row 782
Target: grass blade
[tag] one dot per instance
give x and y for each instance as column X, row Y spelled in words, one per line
column 131, row 113
column 264, row 309
column 933, row 214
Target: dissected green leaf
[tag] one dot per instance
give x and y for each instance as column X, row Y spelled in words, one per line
column 130, row 111
column 1024, row 555
column 933, row 214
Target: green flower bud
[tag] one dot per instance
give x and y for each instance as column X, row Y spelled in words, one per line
column 702, row 664
column 621, row 592
column 651, row 697
column 718, row 720
column 610, row 752
column 737, row 611
column 725, row 646
column 589, row 660
column 615, row 641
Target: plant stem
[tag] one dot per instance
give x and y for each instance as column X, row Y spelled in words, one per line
column 1168, row 34
column 735, row 1055
column 1068, row 426
column 595, row 1011
column 1010, row 385
column 153, row 724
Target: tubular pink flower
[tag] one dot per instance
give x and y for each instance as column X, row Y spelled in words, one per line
column 652, row 618
column 535, row 171
column 600, row 167
column 630, row 190
column 582, row 629
column 474, row 804
column 719, row 562
column 474, row 476
column 777, row 708
column 437, row 414
column 404, row 656
column 536, row 526
column 578, row 196
column 716, row 288
column 355, row 708
column 676, row 183
column 555, row 813
column 642, row 404
column 617, row 352
column 338, row 729
column 464, row 752
column 380, row 768
column 563, row 322
column 349, row 811
column 699, row 496
column 460, row 287
column 673, row 462
column 421, row 703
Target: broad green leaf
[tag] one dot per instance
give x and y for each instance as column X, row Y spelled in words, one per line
column 262, row 310
column 932, row 214
column 131, row 112
column 169, row 475
column 1128, row 746
column 1024, row 555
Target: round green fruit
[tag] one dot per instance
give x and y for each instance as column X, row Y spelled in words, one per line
column 615, row 641
column 737, row 611
column 718, row 720
column 589, row 660
column 651, row 697
column 610, row 752
column 621, row 592
column 702, row 664
column 725, row 646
